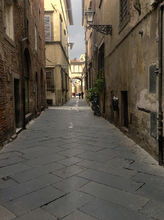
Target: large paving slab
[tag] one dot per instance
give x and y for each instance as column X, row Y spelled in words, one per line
column 5, row 214
column 69, row 164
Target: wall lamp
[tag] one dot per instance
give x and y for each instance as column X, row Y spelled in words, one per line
column 103, row 29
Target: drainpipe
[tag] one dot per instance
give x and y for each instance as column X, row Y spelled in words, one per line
column 160, row 113
column 86, row 60
column 23, row 80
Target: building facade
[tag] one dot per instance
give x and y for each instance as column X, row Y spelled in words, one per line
column 58, row 15
column 77, row 75
column 22, row 63
column 128, row 61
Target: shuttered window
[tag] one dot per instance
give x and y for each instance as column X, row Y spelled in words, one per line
column 50, row 81
column 47, row 27
column 124, row 13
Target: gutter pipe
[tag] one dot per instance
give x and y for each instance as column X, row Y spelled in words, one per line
column 160, row 78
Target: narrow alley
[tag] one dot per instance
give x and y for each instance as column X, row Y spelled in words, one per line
column 69, row 164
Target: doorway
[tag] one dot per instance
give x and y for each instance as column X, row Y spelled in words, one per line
column 124, row 108
column 17, row 102
column 101, row 72
column 36, row 93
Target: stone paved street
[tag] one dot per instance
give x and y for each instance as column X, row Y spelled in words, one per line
column 69, row 164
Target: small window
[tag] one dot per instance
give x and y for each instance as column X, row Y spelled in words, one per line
column 124, row 13
column 47, row 27
column 152, row 79
column 61, row 26
column 9, row 20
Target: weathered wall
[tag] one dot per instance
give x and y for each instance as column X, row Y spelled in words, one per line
column 127, row 69
column 12, row 64
column 57, row 51
column 129, row 53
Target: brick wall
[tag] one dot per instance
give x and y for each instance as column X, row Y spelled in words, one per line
column 12, row 64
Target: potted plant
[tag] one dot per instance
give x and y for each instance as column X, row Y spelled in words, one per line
column 93, row 95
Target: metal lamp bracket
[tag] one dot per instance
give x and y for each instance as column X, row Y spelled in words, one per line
column 103, row 29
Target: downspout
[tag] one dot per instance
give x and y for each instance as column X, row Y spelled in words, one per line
column 23, row 80
column 160, row 73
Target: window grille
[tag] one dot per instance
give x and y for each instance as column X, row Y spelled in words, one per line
column 47, row 25
column 124, row 13
column 50, row 81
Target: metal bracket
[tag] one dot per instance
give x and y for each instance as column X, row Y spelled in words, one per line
column 103, row 29
column 156, row 71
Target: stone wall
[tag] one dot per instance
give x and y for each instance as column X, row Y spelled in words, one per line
column 26, row 18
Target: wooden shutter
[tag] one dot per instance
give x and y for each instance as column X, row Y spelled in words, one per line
column 47, row 26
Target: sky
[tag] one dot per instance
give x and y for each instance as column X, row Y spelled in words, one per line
column 76, row 32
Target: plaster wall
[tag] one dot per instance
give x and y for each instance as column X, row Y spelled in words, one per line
column 129, row 53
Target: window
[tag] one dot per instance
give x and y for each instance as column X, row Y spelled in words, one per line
column 152, row 79
column 61, row 30
column 124, row 13
column 101, row 61
column 50, row 81
column 9, row 21
column 47, row 27
column 73, row 68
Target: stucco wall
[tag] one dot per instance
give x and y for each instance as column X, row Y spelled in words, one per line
column 129, row 53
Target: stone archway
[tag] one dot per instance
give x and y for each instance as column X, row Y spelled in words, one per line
column 77, row 86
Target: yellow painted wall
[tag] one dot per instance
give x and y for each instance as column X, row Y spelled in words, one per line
column 57, row 48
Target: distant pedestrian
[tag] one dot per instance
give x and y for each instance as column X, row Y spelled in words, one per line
column 79, row 95
column 82, row 94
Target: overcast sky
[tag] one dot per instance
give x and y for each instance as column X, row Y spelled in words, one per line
column 76, row 32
